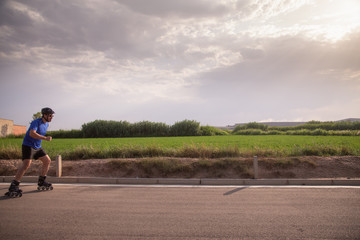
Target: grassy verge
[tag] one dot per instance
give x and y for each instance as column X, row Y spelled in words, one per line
column 186, row 151
column 240, row 167
column 172, row 167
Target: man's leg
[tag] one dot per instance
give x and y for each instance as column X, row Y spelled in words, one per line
column 42, row 184
column 21, row 171
column 46, row 164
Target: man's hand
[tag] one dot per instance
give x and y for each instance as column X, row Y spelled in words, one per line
column 48, row 138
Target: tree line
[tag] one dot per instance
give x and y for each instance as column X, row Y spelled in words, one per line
column 115, row 129
column 342, row 128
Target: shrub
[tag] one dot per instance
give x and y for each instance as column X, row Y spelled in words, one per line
column 15, row 136
column 149, row 129
column 211, row 131
column 251, row 125
column 185, row 128
column 66, row 134
column 313, row 125
column 274, row 132
column 102, row 128
column 249, row 132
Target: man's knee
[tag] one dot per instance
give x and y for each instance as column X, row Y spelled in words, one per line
column 45, row 159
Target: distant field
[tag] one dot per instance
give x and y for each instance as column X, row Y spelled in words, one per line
column 205, row 146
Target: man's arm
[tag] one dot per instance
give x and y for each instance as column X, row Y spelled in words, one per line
column 35, row 135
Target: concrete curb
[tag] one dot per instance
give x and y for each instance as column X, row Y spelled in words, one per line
column 192, row 181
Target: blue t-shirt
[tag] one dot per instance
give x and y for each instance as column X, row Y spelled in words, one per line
column 40, row 127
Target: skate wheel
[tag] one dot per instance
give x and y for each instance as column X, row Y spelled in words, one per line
column 51, row 188
column 38, row 188
column 19, row 194
column 43, row 188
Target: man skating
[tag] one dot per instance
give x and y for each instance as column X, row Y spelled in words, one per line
column 31, row 149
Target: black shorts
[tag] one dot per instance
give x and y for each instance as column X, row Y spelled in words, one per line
column 31, row 153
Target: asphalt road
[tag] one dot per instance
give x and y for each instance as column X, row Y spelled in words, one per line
column 148, row 212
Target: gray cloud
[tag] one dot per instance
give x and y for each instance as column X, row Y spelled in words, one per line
column 181, row 9
column 73, row 26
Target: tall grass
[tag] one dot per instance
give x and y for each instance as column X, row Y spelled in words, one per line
column 10, row 152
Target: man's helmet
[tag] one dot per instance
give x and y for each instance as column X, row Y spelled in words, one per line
column 47, row 111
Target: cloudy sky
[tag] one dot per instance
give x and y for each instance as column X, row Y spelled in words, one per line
column 217, row 62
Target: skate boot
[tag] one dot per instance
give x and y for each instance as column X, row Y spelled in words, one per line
column 14, row 190
column 43, row 185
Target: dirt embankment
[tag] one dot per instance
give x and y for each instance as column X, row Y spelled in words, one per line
column 289, row 167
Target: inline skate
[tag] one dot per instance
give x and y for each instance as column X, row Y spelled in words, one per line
column 43, row 185
column 14, row 190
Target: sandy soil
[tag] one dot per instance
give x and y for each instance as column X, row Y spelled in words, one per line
column 302, row 167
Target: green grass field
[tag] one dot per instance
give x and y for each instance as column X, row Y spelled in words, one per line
column 205, row 146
